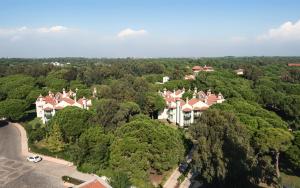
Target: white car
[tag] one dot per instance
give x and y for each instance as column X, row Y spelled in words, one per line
column 34, row 159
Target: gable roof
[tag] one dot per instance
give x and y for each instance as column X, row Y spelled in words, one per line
column 68, row 100
column 95, row 183
column 212, row 99
column 197, row 68
column 193, row 101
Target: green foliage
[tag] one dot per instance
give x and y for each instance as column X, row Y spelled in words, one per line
column 145, row 144
column 92, row 149
column 222, row 152
column 72, row 121
column 35, row 130
column 273, row 139
column 105, row 112
column 251, row 114
column 56, row 84
column 293, row 153
column 55, row 140
column 120, row 180
column 13, row 109
column 152, row 104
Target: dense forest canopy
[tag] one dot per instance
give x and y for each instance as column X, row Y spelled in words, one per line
column 256, row 130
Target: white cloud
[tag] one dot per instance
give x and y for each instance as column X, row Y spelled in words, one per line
column 131, row 33
column 53, row 29
column 25, row 30
column 287, row 31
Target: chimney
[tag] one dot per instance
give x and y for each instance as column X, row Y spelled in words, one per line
column 64, row 92
column 165, row 91
column 194, row 95
column 208, row 92
column 94, row 92
column 195, row 90
column 220, row 96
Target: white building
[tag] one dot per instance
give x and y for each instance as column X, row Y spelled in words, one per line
column 47, row 106
column 239, row 71
column 185, row 112
column 166, row 79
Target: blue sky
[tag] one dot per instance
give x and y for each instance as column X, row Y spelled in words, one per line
column 149, row 28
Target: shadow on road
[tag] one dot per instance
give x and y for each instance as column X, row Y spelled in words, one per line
column 3, row 123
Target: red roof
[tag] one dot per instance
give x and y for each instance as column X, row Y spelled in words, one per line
column 170, row 99
column 193, row 101
column 294, row 64
column 50, row 100
column 68, row 100
column 178, row 92
column 48, row 109
column 197, row 68
column 207, row 67
column 211, row 99
column 182, row 103
column 186, row 109
column 93, row 184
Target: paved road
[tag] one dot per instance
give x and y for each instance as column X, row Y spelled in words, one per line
column 15, row 171
column 172, row 181
column 10, row 142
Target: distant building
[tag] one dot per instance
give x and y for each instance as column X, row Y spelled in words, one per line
column 239, row 71
column 47, row 106
column 57, row 64
column 185, row 112
column 189, row 77
column 294, row 64
column 166, row 79
column 196, row 70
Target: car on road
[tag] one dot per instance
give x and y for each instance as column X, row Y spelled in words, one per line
column 183, row 167
column 34, row 159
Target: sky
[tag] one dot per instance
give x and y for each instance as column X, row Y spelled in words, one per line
column 149, row 28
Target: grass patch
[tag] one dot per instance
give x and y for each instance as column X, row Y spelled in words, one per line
column 290, row 181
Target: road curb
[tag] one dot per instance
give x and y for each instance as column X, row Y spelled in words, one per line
column 26, row 153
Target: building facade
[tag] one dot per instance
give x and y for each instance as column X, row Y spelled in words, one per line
column 185, row 112
column 47, row 106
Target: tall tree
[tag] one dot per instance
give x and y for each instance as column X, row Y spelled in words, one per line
column 274, row 141
column 222, row 150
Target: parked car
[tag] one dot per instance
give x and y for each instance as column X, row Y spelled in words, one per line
column 34, row 159
column 183, row 167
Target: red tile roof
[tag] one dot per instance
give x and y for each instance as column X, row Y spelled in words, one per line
column 193, row 101
column 186, row 109
column 170, row 99
column 182, row 103
column 294, row 64
column 178, row 92
column 212, row 99
column 48, row 109
column 50, row 100
column 68, row 100
column 197, row 68
column 93, row 184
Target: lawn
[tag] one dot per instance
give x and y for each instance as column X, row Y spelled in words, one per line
column 290, row 181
